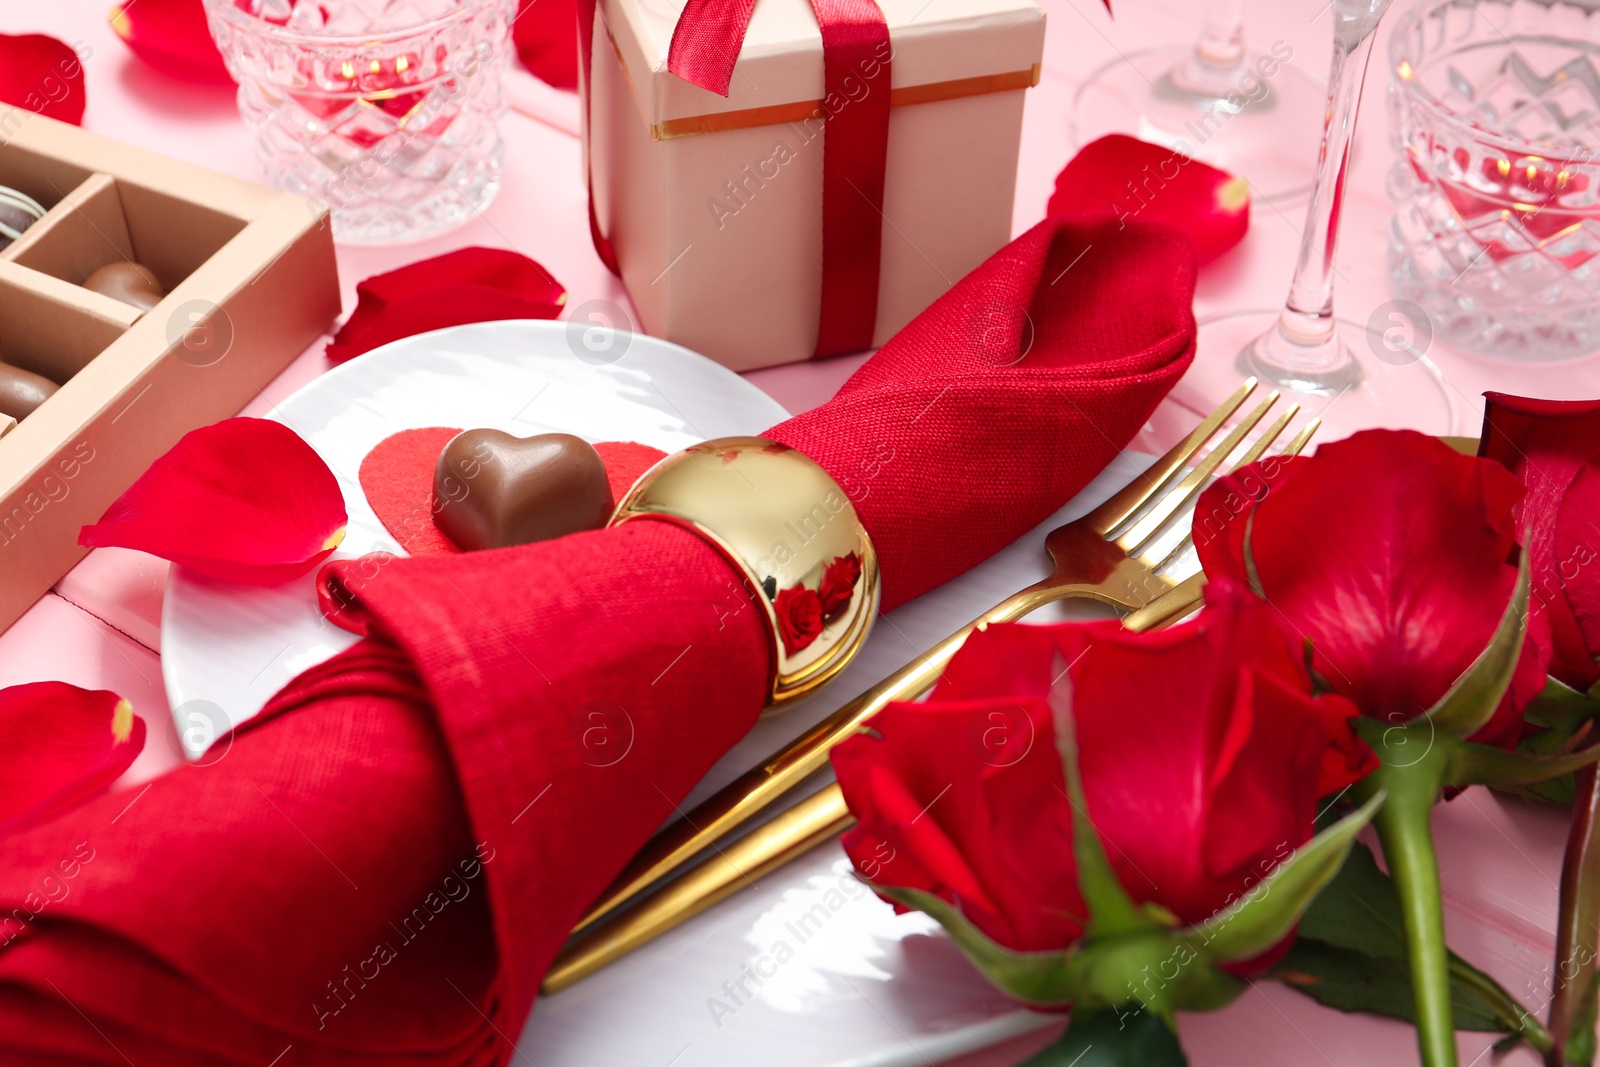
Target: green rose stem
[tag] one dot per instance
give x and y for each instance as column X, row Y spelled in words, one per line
column 1405, row 830
column 1572, row 1005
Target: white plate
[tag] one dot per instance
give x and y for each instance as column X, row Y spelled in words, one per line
column 857, row 986
column 226, row 649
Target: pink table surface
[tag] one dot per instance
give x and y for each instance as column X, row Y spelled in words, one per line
column 100, row 627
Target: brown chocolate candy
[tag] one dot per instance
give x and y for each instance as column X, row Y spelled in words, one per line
column 491, row 490
column 131, row 283
column 18, row 211
column 22, row 390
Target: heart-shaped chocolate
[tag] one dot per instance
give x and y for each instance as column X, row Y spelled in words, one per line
column 491, row 490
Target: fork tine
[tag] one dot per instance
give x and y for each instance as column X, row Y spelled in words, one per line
column 1301, row 439
column 1180, row 537
column 1185, row 491
column 1133, row 496
column 1186, row 594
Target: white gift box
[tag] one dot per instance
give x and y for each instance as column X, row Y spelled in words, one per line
column 714, row 204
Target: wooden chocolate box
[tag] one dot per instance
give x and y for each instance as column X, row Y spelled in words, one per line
column 250, row 280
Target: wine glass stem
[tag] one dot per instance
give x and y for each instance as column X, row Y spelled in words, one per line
column 1221, row 40
column 1307, row 318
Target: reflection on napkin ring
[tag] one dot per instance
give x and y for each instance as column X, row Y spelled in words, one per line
column 783, row 521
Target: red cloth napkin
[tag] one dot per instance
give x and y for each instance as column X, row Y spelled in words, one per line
column 385, row 862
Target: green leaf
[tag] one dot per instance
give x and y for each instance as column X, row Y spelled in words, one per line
column 1111, row 910
column 1270, row 909
column 1043, row 979
column 1470, row 764
column 1561, row 709
column 1566, row 715
column 1114, row 1037
column 1472, row 701
column 1351, row 955
column 1351, row 981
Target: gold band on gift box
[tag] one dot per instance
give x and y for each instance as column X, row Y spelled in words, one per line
column 788, row 526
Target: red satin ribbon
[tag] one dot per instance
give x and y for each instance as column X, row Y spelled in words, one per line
column 855, row 111
column 602, row 243
column 855, row 149
column 706, row 42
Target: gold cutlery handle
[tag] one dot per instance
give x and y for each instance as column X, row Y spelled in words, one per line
column 818, row 818
column 755, row 790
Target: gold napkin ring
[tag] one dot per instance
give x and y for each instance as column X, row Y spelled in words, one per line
column 783, row 521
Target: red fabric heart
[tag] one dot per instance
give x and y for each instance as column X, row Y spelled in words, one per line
column 397, row 477
column 467, row 285
column 625, row 461
column 42, row 75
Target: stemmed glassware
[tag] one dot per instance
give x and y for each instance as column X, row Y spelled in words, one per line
column 1251, row 112
column 1303, row 347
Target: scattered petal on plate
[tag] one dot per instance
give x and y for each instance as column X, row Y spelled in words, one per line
column 43, row 75
column 1131, row 178
column 170, row 35
column 545, row 42
column 59, row 746
column 467, row 285
column 244, row 501
column 397, row 477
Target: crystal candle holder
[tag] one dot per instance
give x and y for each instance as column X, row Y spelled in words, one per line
column 387, row 110
column 1496, row 232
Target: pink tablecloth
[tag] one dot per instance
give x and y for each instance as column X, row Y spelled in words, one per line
column 100, row 627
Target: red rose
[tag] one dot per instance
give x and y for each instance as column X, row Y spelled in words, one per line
column 1393, row 555
column 1554, row 447
column 799, row 617
column 839, row 584
column 1202, row 752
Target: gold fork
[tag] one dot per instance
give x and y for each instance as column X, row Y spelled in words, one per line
column 1122, row 570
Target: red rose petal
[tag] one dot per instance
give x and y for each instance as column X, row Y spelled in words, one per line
column 467, row 285
column 625, row 461
column 1133, row 178
column 545, row 42
column 43, row 75
column 63, row 745
column 397, row 477
column 1578, row 550
column 244, row 501
column 1554, row 447
column 172, row 36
